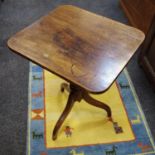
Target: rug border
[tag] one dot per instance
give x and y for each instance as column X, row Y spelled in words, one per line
column 28, row 146
column 28, row 140
column 140, row 108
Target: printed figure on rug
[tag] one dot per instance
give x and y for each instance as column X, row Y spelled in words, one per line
column 68, row 131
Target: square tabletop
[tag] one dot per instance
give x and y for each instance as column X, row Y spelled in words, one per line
column 84, row 48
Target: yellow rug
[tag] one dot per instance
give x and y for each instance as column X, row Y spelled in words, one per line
column 86, row 124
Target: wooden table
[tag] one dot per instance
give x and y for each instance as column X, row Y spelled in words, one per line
column 87, row 50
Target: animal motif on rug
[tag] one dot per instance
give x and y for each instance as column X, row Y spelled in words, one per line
column 137, row 120
column 37, row 135
column 112, row 151
column 37, row 78
column 144, row 147
column 43, row 153
column 73, row 152
column 38, row 94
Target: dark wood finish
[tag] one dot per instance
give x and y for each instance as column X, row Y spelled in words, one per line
column 77, row 94
column 147, row 55
column 65, row 86
column 83, row 48
column 96, row 103
column 86, row 49
column 139, row 12
column 73, row 96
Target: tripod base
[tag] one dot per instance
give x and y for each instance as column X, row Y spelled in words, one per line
column 77, row 94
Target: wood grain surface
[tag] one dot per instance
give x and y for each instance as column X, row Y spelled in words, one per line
column 84, row 48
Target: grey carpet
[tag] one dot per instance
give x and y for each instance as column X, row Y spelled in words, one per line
column 14, row 70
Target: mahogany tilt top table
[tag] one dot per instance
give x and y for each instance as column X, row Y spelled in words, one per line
column 87, row 50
